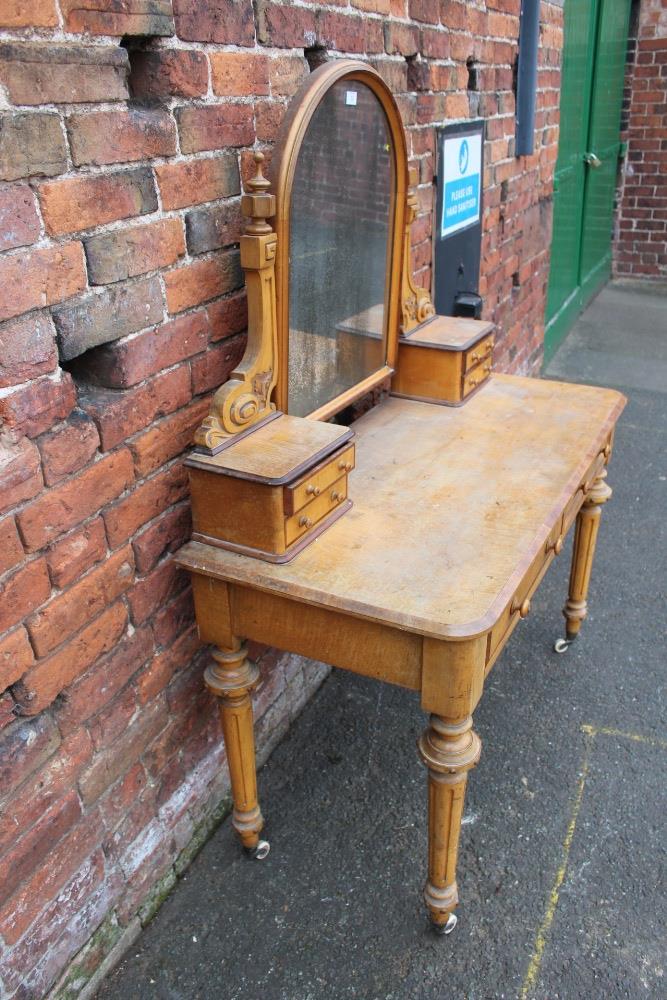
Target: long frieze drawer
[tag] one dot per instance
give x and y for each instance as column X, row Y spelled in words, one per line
column 476, row 377
column 480, row 352
column 298, row 494
column 329, row 499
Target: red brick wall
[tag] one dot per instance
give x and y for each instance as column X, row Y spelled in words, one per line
column 122, row 309
column 640, row 241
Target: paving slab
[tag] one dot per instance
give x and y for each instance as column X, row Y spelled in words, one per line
column 562, row 861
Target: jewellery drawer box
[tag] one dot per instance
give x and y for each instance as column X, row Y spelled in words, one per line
column 273, row 490
column 444, row 360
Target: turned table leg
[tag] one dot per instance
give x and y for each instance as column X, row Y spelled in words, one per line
column 449, row 750
column 585, row 537
column 231, row 679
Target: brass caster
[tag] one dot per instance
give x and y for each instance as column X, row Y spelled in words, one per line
column 447, row 928
column 260, row 851
column 562, row 645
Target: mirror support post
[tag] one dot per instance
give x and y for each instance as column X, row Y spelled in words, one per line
column 245, row 398
column 416, row 304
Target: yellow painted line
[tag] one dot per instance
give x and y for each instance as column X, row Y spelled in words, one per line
column 541, row 937
column 653, row 741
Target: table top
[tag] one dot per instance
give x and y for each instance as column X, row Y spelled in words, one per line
column 451, row 506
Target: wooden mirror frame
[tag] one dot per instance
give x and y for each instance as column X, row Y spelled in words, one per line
column 401, row 213
column 258, row 385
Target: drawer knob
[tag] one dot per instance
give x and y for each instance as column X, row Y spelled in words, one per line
column 313, row 490
column 523, row 608
column 556, row 547
column 336, row 496
column 305, row 522
column 345, row 466
column 474, row 357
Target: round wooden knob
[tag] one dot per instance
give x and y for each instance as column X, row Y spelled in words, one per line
column 305, row 522
column 345, row 466
column 336, row 496
column 313, row 490
column 558, row 545
column 523, row 608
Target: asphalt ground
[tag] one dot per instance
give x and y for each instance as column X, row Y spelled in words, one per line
column 562, row 862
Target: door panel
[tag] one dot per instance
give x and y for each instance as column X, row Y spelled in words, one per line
column 595, row 43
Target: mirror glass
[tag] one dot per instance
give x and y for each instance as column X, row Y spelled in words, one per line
column 339, row 239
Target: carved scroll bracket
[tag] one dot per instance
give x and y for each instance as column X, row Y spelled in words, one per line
column 416, row 304
column 245, row 398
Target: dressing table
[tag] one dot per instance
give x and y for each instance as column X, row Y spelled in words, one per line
column 407, row 546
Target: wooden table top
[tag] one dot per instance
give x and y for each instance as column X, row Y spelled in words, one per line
column 451, row 506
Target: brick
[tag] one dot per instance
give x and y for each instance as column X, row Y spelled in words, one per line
column 125, row 254
column 42, row 683
column 434, row 44
column 71, row 610
column 32, row 279
column 117, row 759
column 28, row 14
column 121, row 136
column 127, row 362
column 108, row 17
column 157, row 674
column 44, row 883
column 68, row 448
column 166, row 534
column 226, row 22
column 349, row 34
column 174, row 619
column 23, row 591
column 168, row 73
column 15, row 657
column 7, row 713
column 31, row 145
column 121, row 414
column 202, row 281
column 215, row 125
column 19, row 223
column 269, row 117
column 285, row 27
column 183, row 184
column 69, row 559
column 65, row 506
column 20, row 471
column 144, row 503
column 32, row 847
column 286, row 73
column 101, row 683
column 23, row 750
column 78, row 203
column 213, row 368
column 107, row 316
column 27, row 348
column 228, row 316
column 49, row 781
column 11, row 550
column 35, row 407
column 167, row 438
column 153, row 592
column 106, row 726
column 401, row 39
column 36, row 73
column 212, row 227
column 239, row 74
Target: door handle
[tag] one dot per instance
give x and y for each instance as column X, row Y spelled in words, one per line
column 592, row 160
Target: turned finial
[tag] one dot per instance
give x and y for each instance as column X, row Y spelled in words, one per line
column 258, row 205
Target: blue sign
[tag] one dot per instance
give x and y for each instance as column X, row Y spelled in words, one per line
column 462, row 164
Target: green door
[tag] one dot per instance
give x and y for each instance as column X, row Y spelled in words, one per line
column 596, row 33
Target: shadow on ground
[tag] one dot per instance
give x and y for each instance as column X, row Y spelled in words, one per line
column 562, row 863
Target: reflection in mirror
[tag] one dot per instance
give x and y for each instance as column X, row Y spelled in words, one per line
column 339, row 235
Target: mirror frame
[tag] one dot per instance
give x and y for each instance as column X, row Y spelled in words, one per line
column 290, row 139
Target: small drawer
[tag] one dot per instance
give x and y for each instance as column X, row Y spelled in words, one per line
column 475, row 378
column 480, row 352
column 318, row 507
column 298, row 494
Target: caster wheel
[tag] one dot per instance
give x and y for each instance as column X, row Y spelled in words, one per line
column 442, row 929
column 260, row 851
column 562, row 645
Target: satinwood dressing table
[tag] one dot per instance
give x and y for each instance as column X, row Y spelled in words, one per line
column 407, row 546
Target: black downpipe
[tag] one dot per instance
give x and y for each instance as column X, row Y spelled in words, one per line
column 526, row 82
